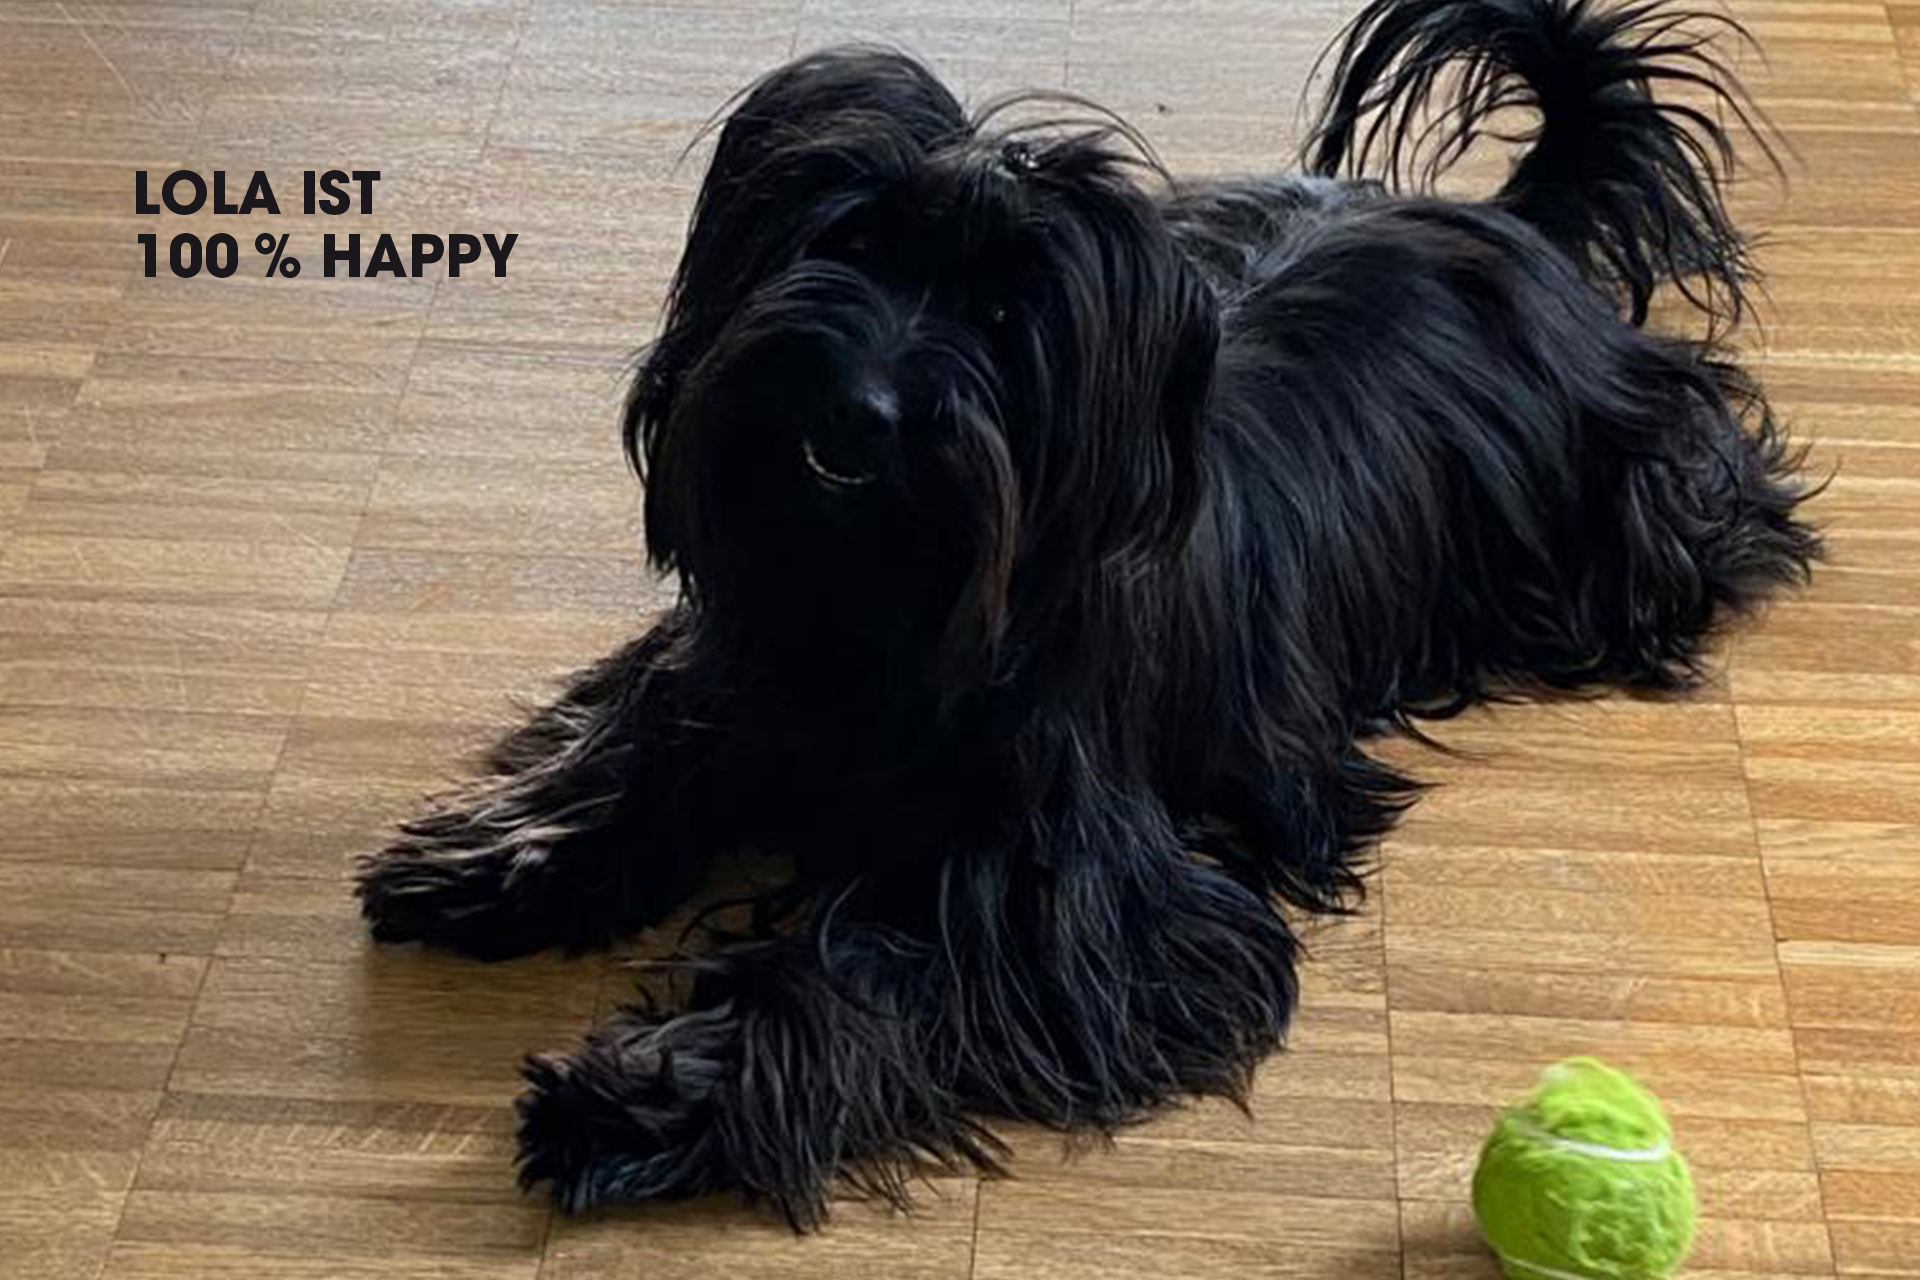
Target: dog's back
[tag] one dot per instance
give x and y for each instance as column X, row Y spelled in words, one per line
column 1453, row 455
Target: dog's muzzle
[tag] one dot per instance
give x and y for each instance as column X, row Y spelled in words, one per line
column 849, row 446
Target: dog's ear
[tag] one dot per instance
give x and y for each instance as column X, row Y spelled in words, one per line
column 800, row 143
column 1109, row 481
column 1148, row 376
column 1134, row 332
column 1185, row 356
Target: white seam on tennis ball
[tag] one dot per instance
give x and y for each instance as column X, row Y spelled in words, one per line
column 1550, row 1273
column 1599, row 1151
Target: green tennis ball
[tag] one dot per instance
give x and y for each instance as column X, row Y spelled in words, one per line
column 1581, row 1181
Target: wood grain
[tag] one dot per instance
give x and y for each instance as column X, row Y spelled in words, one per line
column 275, row 553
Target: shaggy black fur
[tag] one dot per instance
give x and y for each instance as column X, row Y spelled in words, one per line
column 1050, row 537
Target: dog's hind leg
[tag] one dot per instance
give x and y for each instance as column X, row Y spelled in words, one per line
column 583, row 828
column 1700, row 521
column 1683, row 513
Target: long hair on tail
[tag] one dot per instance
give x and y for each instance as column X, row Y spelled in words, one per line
column 1628, row 183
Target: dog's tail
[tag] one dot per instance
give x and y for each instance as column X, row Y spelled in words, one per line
column 1631, row 186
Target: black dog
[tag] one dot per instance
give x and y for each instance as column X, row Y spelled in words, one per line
column 1046, row 550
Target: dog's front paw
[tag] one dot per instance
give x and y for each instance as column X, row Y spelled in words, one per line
column 628, row 1117
column 474, row 901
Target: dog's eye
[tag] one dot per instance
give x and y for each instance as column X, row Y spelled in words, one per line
column 851, row 247
column 991, row 312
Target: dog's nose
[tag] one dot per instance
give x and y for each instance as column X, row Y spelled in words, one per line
column 848, row 446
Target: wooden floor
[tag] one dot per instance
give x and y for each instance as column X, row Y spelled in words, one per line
column 274, row 553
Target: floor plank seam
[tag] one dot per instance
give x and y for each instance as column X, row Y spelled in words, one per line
column 193, row 1005
column 1780, row 976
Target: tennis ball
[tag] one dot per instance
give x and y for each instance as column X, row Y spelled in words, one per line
column 1581, row 1181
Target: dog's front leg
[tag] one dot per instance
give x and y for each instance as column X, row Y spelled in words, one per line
column 1078, row 982
column 585, row 827
column 778, row 1078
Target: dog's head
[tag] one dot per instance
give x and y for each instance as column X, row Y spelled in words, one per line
column 927, row 384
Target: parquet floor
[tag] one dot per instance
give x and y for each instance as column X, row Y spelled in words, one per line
column 273, row 553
